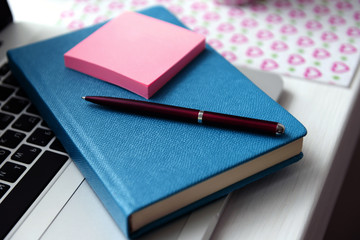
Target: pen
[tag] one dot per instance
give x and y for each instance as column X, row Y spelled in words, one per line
column 189, row 115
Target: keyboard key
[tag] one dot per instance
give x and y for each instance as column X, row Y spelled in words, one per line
column 56, row 145
column 17, row 202
column 32, row 109
column 44, row 124
column 4, row 69
column 5, row 92
column 26, row 154
column 41, row 137
column 5, row 120
column 15, row 105
column 21, row 93
column 26, row 122
column 11, row 81
column 3, row 189
column 10, row 172
column 3, row 154
column 11, row 139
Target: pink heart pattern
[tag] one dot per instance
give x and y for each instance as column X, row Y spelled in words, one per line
column 239, row 39
column 296, row 59
column 264, row 34
column 279, row 46
column 269, row 64
column 288, row 29
column 312, row 39
column 254, row 52
column 313, row 25
column 353, row 32
column 305, row 42
column 339, row 67
column 312, row 73
column 347, row 48
column 329, row 37
column 321, row 53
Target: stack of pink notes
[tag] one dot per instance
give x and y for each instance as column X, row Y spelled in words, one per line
column 136, row 52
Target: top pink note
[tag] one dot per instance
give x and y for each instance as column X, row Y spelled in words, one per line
column 136, row 52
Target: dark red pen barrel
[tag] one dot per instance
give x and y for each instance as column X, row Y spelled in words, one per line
column 241, row 123
column 187, row 115
column 148, row 108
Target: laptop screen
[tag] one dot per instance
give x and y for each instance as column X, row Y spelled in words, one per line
column 5, row 14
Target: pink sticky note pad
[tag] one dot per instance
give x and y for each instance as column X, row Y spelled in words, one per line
column 136, row 52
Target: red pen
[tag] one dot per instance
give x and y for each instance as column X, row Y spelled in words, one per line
column 189, row 115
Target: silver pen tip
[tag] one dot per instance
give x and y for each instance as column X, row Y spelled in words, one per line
column 83, row 97
column 280, row 129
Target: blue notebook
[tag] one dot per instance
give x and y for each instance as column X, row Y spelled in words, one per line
column 147, row 171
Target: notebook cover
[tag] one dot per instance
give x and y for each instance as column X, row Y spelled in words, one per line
column 133, row 161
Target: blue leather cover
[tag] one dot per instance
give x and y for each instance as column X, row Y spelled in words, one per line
column 133, row 161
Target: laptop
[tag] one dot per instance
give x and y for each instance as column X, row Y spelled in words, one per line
column 50, row 199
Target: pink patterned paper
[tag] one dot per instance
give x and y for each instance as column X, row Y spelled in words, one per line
column 318, row 40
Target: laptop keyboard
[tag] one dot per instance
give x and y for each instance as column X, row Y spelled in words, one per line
column 30, row 154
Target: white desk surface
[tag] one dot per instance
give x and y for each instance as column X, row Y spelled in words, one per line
column 296, row 203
